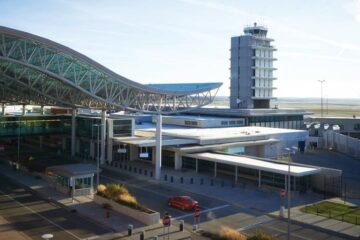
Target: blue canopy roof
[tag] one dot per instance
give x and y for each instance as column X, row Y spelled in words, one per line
column 186, row 87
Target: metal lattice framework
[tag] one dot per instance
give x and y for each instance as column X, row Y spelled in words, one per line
column 35, row 70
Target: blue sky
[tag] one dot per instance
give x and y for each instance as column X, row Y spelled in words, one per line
column 158, row 41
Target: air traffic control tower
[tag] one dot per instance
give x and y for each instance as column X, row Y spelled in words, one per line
column 251, row 69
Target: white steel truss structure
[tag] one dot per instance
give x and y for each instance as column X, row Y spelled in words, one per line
column 35, row 70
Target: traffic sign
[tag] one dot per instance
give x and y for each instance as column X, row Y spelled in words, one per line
column 282, row 193
column 166, row 220
column 197, row 212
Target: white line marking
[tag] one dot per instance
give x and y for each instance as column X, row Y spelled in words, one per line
column 99, row 236
column 254, row 225
column 203, row 211
column 55, row 224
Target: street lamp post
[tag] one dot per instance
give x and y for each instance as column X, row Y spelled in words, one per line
column 98, row 154
column 289, row 150
column 18, row 147
column 321, row 89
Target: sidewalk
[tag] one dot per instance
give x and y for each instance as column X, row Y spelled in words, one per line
column 323, row 222
column 83, row 205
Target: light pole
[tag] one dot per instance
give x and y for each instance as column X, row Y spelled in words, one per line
column 321, row 89
column 288, row 190
column 98, row 154
column 18, row 143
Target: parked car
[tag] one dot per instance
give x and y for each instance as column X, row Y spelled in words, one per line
column 183, row 202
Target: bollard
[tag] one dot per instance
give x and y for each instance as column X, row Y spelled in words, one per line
column 130, row 168
column 212, row 182
column 107, row 214
column 171, row 179
column 151, row 174
column 181, row 180
column 145, row 172
column 202, row 181
column 181, row 226
column 140, row 171
column 165, row 177
column 135, row 170
column 232, row 184
column 125, row 167
column 142, row 235
column 130, row 229
column 222, row 183
column 191, row 180
column 120, row 165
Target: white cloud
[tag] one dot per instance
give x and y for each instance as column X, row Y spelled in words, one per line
column 353, row 8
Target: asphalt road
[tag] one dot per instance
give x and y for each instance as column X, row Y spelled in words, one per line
column 155, row 196
column 35, row 216
column 216, row 212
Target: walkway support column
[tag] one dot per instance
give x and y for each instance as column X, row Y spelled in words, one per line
column 259, row 184
column 103, row 136
column 73, row 132
column 23, row 110
column 178, row 161
column 42, row 109
column 158, row 147
column 197, row 165
column 236, row 174
column 215, row 169
column 3, row 109
column 109, row 141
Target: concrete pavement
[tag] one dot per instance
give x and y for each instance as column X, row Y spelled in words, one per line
column 323, row 222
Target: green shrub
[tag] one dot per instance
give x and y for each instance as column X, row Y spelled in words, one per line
column 113, row 190
column 227, row 233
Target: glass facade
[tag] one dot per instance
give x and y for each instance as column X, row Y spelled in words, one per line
column 206, row 166
column 34, row 125
column 290, row 122
column 85, row 127
column 122, row 127
column 168, row 158
column 121, row 156
column 81, row 183
column 189, row 163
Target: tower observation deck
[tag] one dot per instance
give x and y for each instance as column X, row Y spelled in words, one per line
column 252, row 69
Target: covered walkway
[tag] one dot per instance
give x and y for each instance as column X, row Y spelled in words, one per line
column 267, row 172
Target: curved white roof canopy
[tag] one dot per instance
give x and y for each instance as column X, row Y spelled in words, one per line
column 35, row 70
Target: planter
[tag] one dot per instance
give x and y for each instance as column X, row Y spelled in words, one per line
column 146, row 218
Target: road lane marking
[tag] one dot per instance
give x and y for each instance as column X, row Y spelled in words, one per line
column 99, row 236
column 254, row 225
column 203, row 211
column 45, row 218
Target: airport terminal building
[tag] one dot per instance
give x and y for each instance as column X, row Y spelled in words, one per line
column 176, row 131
